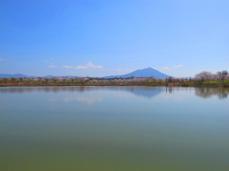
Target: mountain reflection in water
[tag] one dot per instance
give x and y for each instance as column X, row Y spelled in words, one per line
column 147, row 92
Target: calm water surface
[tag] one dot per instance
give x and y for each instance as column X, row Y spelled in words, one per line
column 114, row 129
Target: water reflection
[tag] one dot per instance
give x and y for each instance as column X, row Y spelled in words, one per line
column 222, row 93
column 147, row 92
column 85, row 99
column 42, row 89
column 97, row 128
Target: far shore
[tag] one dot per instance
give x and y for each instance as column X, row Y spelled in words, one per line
column 171, row 82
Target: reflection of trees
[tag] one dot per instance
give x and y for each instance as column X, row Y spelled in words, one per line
column 169, row 90
column 138, row 91
column 40, row 89
column 208, row 92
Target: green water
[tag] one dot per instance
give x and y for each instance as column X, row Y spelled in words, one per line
column 114, row 129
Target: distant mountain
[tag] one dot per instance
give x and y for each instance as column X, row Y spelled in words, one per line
column 143, row 73
column 12, row 76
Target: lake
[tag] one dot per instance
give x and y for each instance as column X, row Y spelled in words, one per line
column 114, row 129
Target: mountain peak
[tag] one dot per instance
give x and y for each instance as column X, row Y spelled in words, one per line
column 147, row 69
column 148, row 72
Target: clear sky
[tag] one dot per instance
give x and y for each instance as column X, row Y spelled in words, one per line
column 103, row 37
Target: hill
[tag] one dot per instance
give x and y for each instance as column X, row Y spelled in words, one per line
column 142, row 73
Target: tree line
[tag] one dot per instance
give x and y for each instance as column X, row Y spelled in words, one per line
column 203, row 79
column 222, row 75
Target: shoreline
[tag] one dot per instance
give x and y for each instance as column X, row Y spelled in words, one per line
column 18, row 86
column 148, row 82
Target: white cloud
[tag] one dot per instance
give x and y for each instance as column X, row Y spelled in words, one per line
column 166, row 68
column 87, row 66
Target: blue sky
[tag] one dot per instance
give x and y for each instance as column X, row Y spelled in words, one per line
column 102, row 37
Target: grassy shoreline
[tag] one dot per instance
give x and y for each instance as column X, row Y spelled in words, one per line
column 12, row 82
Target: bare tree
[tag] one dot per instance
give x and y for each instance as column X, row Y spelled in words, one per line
column 222, row 75
column 205, row 76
